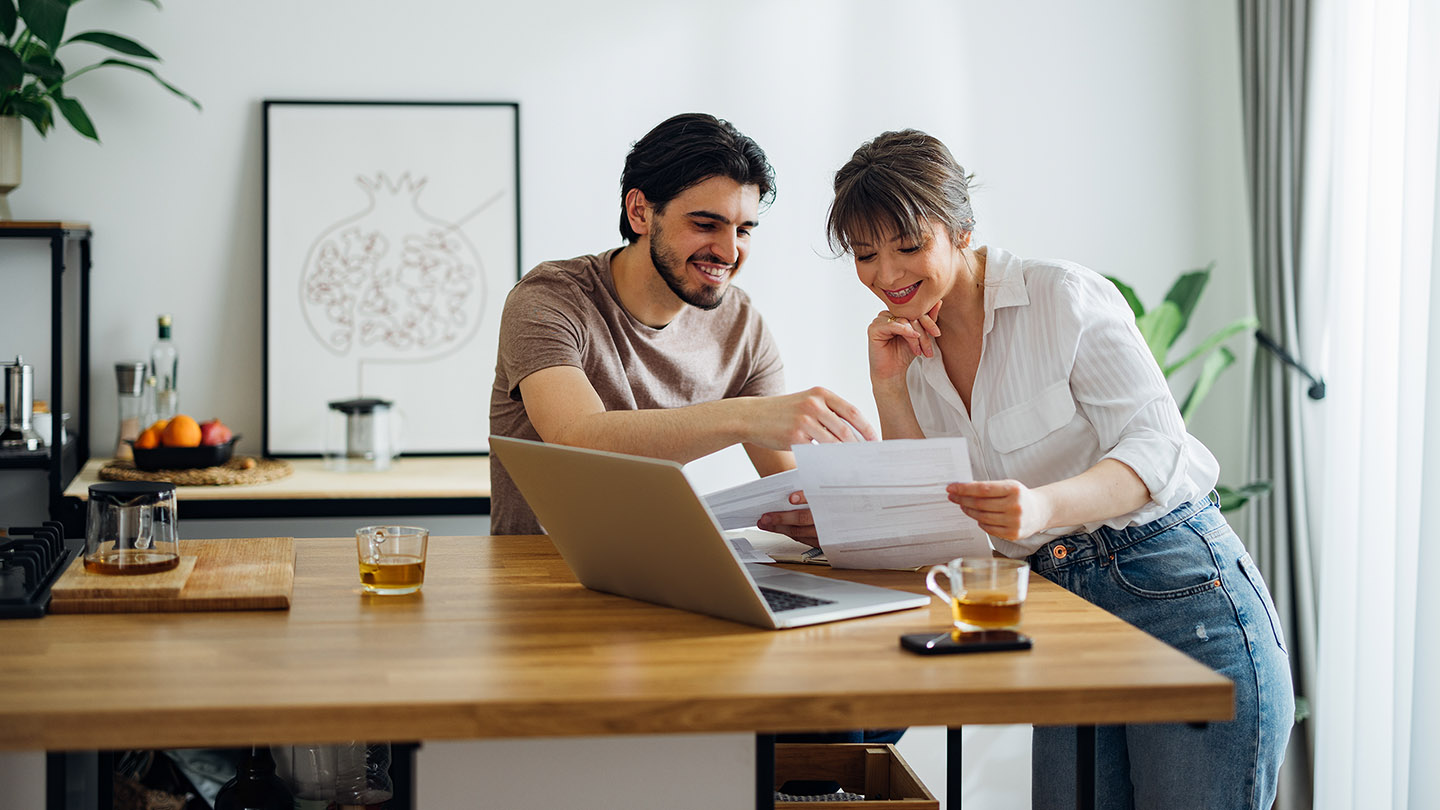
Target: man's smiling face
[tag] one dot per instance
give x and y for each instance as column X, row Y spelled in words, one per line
column 699, row 240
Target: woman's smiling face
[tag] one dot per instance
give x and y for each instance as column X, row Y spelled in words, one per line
column 909, row 277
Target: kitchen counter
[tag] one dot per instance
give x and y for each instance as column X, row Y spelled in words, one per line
column 431, row 485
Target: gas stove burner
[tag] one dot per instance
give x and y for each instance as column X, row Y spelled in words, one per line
column 31, row 559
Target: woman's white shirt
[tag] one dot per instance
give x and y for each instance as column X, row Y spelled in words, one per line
column 1065, row 380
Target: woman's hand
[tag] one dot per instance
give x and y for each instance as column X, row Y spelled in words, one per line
column 1005, row 509
column 896, row 341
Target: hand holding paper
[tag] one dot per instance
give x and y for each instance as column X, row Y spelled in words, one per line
column 884, row 504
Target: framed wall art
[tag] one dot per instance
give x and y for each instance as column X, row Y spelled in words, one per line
column 392, row 236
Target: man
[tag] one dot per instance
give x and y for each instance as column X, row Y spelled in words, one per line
column 645, row 349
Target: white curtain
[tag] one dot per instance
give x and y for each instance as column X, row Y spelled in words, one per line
column 1370, row 236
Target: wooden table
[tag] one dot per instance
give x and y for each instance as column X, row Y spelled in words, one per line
column 502, row 642
column 435, row 485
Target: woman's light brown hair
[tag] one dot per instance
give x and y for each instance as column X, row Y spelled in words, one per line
column 899, row 184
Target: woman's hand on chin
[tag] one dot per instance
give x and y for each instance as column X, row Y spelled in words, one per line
column 896, row 341
column 1006, row 509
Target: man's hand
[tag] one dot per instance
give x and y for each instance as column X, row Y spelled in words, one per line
column 1005, row 509
column 797, row 524
column 816, row 415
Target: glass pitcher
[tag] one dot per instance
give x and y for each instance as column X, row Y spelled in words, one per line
column 130, row 528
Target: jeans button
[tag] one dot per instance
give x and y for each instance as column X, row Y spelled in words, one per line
column 1059, row 552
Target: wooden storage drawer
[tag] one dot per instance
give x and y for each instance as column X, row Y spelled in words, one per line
column 877, row 771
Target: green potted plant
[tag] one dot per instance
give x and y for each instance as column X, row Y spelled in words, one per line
column 34, row 82
column 1162, row 326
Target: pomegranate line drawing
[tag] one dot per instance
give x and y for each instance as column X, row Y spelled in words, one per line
column 394, row 283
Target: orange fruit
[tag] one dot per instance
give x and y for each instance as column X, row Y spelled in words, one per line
column 149, row 439
column 159, row 425
column 181, row 432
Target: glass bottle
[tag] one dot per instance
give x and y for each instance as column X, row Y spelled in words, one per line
column 255, row 786
column 164, row 366
column 362, row 776
column 134, row 407
column 309, row 772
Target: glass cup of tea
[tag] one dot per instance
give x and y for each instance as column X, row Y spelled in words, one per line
column 130, row 528
column 392, row 558
column 985, row 593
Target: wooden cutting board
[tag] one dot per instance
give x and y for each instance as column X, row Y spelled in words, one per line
column 77, row 583
column 253, row 573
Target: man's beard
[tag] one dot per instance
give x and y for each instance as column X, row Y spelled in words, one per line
column 672, row 270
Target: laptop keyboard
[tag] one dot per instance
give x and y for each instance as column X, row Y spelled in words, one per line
column 785, row 600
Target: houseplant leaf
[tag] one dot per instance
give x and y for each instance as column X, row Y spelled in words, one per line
column 1185, row 293
column 8, row 18
column 1129, row 295
column 45, row 68
column 152, row 74
column 37, row 113
column 45, row 19
column 1210, row 342
column 114, row 42
column 12, row 69
column 75, row 114
column 1159, row 327
column 1232, row 499
column 1215, row 364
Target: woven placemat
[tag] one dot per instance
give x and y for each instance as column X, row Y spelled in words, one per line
column 234, row 471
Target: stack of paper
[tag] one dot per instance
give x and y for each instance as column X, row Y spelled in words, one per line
column 875, row 504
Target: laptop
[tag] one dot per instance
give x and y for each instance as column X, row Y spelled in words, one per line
column 634, row 526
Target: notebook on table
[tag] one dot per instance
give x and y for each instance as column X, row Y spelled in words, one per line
column 634, row 527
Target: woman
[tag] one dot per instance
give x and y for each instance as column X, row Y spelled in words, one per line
column 1083, row 466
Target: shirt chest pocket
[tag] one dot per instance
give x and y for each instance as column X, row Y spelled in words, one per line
column 1030, row 421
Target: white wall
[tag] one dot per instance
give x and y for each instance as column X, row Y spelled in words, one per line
column 1105, row 132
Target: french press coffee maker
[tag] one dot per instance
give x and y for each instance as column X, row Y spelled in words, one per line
column 361, row 435
column 19, row 407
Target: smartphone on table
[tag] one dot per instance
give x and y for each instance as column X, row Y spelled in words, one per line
column 948, row 643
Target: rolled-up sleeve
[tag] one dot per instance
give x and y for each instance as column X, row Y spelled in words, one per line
column 1123, row 394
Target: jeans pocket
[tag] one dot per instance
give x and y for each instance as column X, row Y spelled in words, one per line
column 1257, row 582
column 1174, row 563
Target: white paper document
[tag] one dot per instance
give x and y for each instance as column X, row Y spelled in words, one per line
column 741, row 506
column 758, row 545
column 883, row 504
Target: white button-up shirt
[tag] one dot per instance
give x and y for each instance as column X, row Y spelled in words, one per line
column 1065, row 380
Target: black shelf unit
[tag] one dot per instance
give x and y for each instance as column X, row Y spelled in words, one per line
column 62, row 460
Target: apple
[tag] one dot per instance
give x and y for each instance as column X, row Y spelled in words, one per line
column 213, row 432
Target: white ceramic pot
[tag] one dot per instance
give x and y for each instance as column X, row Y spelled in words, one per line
column 9, row 160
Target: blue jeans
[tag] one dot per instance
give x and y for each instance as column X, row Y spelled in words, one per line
column 1185, row 579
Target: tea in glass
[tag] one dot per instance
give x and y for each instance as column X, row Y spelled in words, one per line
column 985, row 593
column 392, row 558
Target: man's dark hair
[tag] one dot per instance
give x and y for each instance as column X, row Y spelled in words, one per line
column 689, row 149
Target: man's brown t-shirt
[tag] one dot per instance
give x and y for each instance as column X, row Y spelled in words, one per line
column 567, row 313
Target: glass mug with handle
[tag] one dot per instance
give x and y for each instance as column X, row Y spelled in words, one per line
column 985, row 593
column 392, row 558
